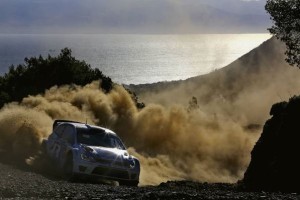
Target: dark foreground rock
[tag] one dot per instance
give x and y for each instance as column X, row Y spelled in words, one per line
column 275, row 162
column 16, row 183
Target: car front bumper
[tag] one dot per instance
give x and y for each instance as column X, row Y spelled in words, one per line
column 106, row 171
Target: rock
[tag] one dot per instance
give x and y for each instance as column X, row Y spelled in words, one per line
column 275, row 157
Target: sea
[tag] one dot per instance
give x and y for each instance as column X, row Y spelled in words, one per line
column 135, row 59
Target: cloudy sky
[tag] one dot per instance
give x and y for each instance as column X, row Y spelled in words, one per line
column 133, row 16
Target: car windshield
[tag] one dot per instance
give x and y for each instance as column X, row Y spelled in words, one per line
column 98, row 137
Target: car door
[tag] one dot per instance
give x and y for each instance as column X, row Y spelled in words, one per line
column 66, row 143
column 55, row 141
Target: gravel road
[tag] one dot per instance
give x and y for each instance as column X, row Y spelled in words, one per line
column 24, row 183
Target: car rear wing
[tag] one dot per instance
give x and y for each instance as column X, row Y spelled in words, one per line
column 59, row 121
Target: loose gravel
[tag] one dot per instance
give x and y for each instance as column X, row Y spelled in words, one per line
column 25, row 183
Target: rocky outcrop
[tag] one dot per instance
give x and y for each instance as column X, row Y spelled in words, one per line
column 275, row 157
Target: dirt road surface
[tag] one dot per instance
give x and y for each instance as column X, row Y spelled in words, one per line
column 23, row 183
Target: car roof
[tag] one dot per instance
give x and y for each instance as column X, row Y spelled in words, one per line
column 81, row 125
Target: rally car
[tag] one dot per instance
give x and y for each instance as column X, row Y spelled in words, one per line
column 82, row 150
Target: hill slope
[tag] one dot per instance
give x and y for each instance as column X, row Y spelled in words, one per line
column 243, row 90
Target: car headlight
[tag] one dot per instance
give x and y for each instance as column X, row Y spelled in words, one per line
column 87, row 157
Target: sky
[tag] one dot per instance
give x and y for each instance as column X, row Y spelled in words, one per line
column 133, row 16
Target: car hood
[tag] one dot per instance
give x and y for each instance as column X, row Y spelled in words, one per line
column 107, row 153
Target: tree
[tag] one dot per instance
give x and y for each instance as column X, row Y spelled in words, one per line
column 193, row 104
column 286, row 17
column 38, row 74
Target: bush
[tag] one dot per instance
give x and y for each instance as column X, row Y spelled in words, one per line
column 38, row 74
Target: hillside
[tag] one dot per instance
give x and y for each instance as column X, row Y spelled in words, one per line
column 243, row 90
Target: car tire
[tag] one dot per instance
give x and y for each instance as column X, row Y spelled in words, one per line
column 129, row 183
column 68, row 169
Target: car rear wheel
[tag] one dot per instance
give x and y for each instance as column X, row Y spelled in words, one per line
column 129, row 183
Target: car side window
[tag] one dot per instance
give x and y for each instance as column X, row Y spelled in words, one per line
column 59, row 130
column 68, row 134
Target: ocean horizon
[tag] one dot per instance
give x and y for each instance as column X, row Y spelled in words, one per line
column 134, row 58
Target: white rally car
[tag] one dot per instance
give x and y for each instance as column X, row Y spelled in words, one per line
column 79, row 149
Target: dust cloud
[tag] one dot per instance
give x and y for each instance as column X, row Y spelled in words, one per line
column 244, row 91
column 213, row 142
column 201, row 129
column 172, row 143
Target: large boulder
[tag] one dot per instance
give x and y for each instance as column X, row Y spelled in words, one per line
column 275, row 157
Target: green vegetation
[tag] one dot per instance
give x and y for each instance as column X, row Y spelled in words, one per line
column 38, row 74
column 286, row 17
